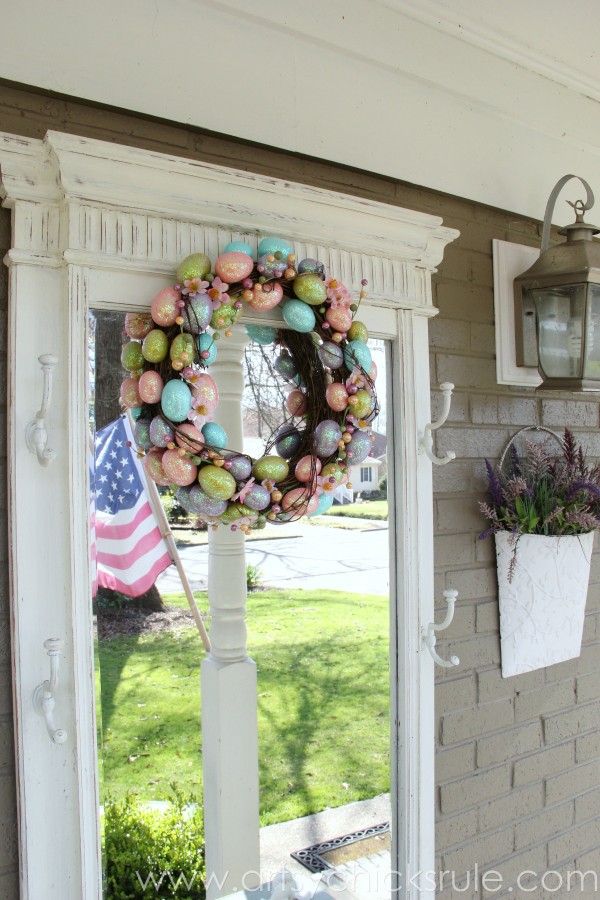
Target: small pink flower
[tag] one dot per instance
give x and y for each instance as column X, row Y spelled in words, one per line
column 218, row 293
column 357, row 380
column 269, row 484
column 338, row 294
column 194, row 286
column 201, row 412
column 241, row 494
column 326, row 484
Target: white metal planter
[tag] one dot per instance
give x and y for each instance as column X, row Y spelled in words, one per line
column 542, row 607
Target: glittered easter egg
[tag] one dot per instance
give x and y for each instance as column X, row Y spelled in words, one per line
column 202, row 505
column 331, row 355
column 135, row 413
column 207, row 348
column 239, row 466
column 261, row 334
column 197, row 313
column 299, row 316
column 130, row 395
column 180, row 469
column 266, row 297
column 189, row 438
column 307, row 468
column 358, row 332
column 176, row 400
column 285, row 366
column 141, row 434
column 182, row 349
column 182, row 495
column 310, row 288
column 257, row 497
column 233, row 266
column 214, row 436
column 216, row 482
column 358, row 354
column 310, row 266
column 224, row 317
column 361, row 404
column 155, row 346
column 164, row 309
column 151, row 386
column 336, row 396
column 195, row 266
column 373, row 372
column 340, row 318
column 359, row 448
column 287, row 441
column 333, row 470
column 270, row 266
column 296, row 403
column 272, row 467
column 137, row 325
column 300, row 500
column 132, row 357
column 204, row 388
column 326, row 437
column 275, row 245
column 239, row 247
column 161, row 432
column 324, row 505
column 153, row 467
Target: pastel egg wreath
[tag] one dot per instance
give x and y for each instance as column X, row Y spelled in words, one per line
column 323, row 358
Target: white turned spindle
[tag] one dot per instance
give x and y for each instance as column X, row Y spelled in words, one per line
column 229, row 692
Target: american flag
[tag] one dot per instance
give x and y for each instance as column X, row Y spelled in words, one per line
column 130, row 549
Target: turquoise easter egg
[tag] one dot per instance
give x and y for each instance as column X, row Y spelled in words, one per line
column 325, row 503
column 207, row 348
column 356, row 353
column 176, row 400
column 275, row 245
column 239, row 247
column 299, row 316
column 262, row 334
column 215, row 436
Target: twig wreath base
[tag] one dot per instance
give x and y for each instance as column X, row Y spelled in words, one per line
column 323, row 358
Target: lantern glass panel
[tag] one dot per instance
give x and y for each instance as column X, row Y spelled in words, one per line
column 560, row 314
column 591, row 362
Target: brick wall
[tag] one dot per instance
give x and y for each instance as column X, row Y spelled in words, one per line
column 518, row 760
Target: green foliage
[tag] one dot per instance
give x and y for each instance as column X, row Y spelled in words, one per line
column 171, row 505
column 254, row 577
column 372, row 509
column 150, row 853
column 383, row 487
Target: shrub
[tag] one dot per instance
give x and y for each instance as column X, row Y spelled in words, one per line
column 383, row 487
column 154, row 854
column 254, row 577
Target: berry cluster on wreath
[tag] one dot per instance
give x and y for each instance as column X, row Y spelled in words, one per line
column 322, row 356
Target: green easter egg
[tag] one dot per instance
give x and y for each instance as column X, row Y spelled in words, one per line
column 132, row 357
column 272, row 467
column 155, row 346
column 363, row 405
column 183, row 348
column 358, row 332
column 195, row 266
column 310, row 288
column 216, row 482
column 224, row 317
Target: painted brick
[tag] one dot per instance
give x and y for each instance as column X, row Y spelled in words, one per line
column 547, row 762
column 586, row 874
column 530, row 860
column 463, row 622
column 587, row 747
column 588, row 688
column 508, row 744
column 484, row 409
column 463, row 888
column 456, row 830
column 7, row 753
column 455, row 693
column 454, row 550
column 546, row 824
column 459, row 408
column 488, row 617
column 479, row 651
column 576, row 781
column 475, row 721
column 457, row 301
column 513, row 807
column 491, row 685
column 451, row 512
column 449, row 334
column 531, row 704
column 566, row 413
column 5, row 692
column 466, row 792
column 450, row 762
column 9, row 851
column 466, row 371
column 574, row 842
column 571, row 723
column 485, row 550
column 589, row 660
column 473, row 442
column 481, row 851
column 587, row 806
column 455, row 478
column 483, row 338
column 472, row 584
column 9, row 885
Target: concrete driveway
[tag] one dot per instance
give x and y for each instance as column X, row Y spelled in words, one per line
column 318, row 557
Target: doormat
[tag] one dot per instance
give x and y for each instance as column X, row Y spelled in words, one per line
column 329, row 854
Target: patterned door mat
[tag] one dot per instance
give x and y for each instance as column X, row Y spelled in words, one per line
column 358, row 844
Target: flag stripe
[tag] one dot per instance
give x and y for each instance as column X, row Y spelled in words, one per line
column 122, row 524
column 120, row 561
column 136, row 588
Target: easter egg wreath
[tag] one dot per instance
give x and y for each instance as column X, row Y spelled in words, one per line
column 322, row 355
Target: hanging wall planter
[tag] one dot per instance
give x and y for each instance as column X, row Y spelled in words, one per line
column 543, row 511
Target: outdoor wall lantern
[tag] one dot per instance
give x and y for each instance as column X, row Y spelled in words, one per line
column 557, row 304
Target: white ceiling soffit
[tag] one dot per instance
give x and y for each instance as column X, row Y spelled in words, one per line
column 492, row 102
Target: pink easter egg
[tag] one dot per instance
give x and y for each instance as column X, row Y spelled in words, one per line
column 205, row 388
column 189, row 438
column 307, row 468
column 165, row 306
column 179, row 469
column 151, row 386
column 373, row 372
column 130, row 395
column 336, row 396
column 300, row 501
column 296, row 403
column 340, row 319
column 266, row 299
column 233, row 266
column 138, row 325
column 153, row 467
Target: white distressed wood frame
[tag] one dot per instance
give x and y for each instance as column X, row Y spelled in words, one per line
column 100, row 225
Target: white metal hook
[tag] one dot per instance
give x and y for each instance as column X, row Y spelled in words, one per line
column 428, row 634
column 43, row 696
column 426, row 438
column 36, row 434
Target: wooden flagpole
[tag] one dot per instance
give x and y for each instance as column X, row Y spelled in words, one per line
column 163, row 523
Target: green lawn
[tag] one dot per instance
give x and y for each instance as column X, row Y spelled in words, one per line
column 323, row 699
column 369, row 509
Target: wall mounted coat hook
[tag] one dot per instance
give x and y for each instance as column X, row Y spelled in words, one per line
column 36, row 434
column 428, row 634
column 43, row 696
column 426, row 438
